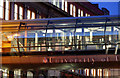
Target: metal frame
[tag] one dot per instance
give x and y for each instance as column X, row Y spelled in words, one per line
column 56, row 23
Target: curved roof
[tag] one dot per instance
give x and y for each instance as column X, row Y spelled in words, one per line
column 61, row 22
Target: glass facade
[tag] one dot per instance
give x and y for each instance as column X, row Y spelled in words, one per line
column 64, row 34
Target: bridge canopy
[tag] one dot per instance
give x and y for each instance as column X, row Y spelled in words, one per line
column 61, row 34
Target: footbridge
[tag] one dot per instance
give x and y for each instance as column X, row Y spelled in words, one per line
column 72, row 43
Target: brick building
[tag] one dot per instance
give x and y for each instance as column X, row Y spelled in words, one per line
column 24, row 10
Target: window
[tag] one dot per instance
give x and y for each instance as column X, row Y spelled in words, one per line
column 28, row 14
column 62, row 4
column 81, row 13
column 7, row 10
column 21, row 12
column 58, row 4
column 54, row 2
column 74, row 11
column 66, row 6
column 71, row 9
column 1, row 8
column 15, row 11
column 33, row 15
column 40, row 16
column 86, row 14
column 78, row 12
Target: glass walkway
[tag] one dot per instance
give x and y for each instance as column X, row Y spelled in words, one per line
column 62, row 34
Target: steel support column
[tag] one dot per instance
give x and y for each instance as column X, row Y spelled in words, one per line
column 11, row 74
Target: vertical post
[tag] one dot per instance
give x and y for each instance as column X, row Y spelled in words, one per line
column 54, row 39
column 83, row 39
column 82, row 71
column 18, row 38
column 25, row 17
column 93, row 72
column 18, row 12
column 25, row 40
column 63, row 39
column 46, row 36
column 11, row 74
column 24, row 74
column 36, row 73
column 75, row 39
column 112, row 37
column 96, row 72
column 91, row 36
column 25, row 12
column 102, row 73
column 37, row 15
column 89, row 72
column 1, row 74
column 78, row 71
column 11, row 10
column 105, row 37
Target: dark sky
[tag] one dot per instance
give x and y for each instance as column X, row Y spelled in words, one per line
column 111, row 6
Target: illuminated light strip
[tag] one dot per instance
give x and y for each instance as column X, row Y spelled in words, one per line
column 10, row 25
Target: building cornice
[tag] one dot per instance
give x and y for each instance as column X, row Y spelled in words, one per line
column 91, row 7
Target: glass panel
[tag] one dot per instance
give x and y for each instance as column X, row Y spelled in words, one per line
column 64, row 39
column 61, row 38
column 10, row 39
column 89, row 38
column 65, row 34
column 112, row 38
